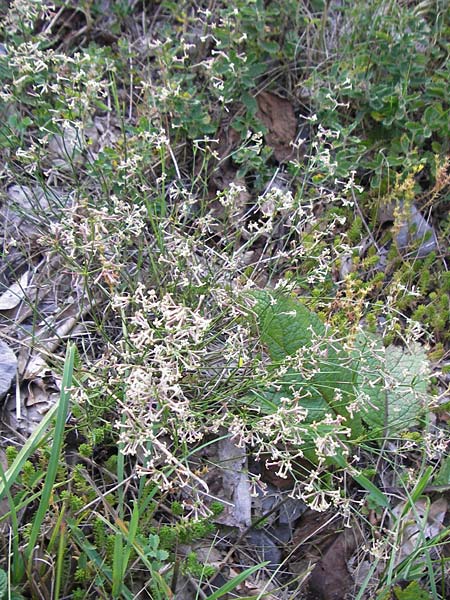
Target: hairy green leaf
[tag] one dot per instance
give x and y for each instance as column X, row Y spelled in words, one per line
column 442, row 477
column 3, row 584
column 325, row 376
column 394, row 381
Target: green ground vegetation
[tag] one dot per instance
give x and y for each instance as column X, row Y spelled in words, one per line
column 224, row 287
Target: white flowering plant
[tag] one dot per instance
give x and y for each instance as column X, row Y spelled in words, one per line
column 207, row 199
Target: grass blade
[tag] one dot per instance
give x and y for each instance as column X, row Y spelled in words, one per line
column 58, row 438
column 230, row 585
column 91, row 552
column 31, row 445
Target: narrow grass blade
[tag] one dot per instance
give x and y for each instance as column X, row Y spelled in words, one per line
column 421, row 484
column 91, row 552
column 26, row 451
column 60, row 562
column 130, row 539
column 377, row 495
column 18, row 568
column 58, row 438
column 117, row 567
column 230, row 585
column 119, row 528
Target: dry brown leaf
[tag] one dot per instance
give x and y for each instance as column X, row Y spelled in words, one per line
column 321, row 553
column 330, row 579
column 37, row 395
column 31, row 201
column 278, row 116
column 66, row 149
column 259, row 590
column 27, row 207
column 31, row 367
column 224, row 172
column 42, row 389
column 29, row 417
column 234, row 214
column 410, row 228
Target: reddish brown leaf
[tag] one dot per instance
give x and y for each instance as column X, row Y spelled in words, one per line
column 330, row 579
column 278, row 116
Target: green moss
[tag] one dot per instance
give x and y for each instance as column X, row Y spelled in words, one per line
column 11, row 454
column 445, row 282
column 176, row 508
column 29, row 474
column 414, row 436
column 217, row 508
column 75, row 503
column 354, row 233
column 370, row 261
column 99, row 533
column 437, row 353
column 193, row 567
column 85, row 450
column 184, row 532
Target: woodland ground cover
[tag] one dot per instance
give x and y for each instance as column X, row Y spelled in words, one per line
column 224, row 302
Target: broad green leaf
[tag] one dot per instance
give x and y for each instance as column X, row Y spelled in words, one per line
column 269, row 46
column 3, row 584
column 442, row 477
column 394, row 381
column 326, row 382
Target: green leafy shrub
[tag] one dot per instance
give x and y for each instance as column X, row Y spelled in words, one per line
column 396, row 93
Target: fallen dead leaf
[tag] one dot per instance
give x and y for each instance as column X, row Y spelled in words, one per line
column 266, row 547
column 41, row 389
column 424, row 521
column 410, row 228
column 322, row 549
column 30, row 201
column 229, row 481
column 224, row 172
column 8, row 368
column 36, row 398
column 258, row 590
column 15, row 293
column 31, row 367
column 330, row 578
column 27, row 209
column 66, row 149
column 278, row 116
